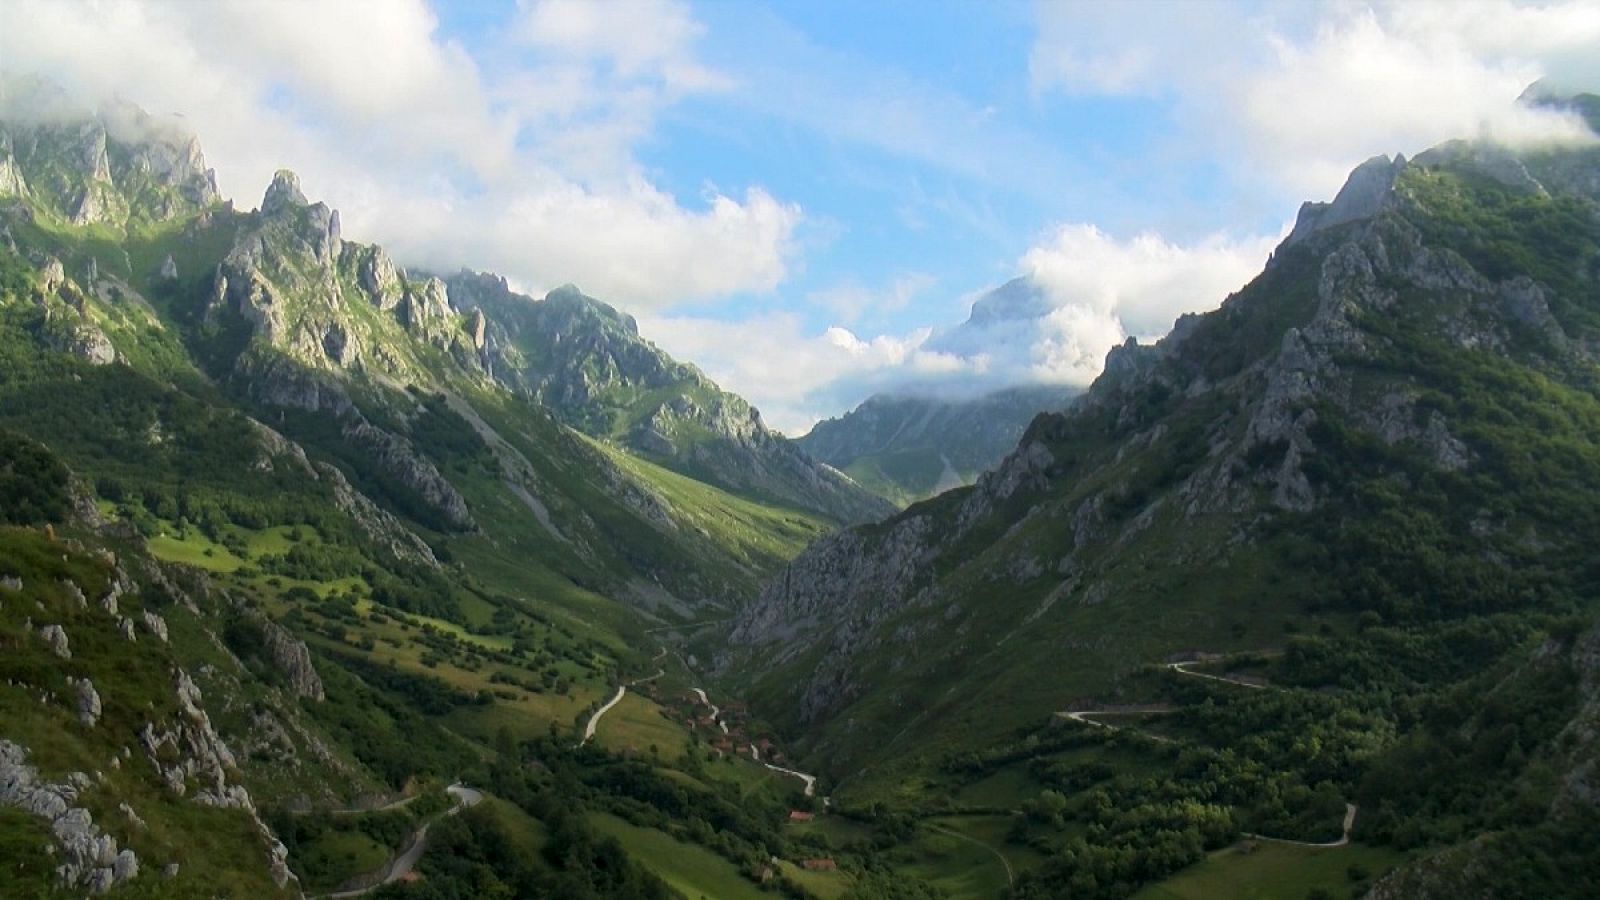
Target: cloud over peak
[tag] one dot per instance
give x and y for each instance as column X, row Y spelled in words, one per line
column 517, row 155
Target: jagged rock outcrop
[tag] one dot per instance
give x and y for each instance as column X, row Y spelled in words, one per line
column 113, row 166
column 90, row 859
column 88, row 698
column 292, row 658
column 377, row 275
column 191, row 751
column 155, row 625
column 378, row 524
column 283, row 194
column 1368, row 191
column 397, row 457
column 56, row 637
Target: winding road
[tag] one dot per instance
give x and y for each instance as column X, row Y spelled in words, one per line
column 810, row 780
column 1349, row 823
column 755, row 754
column 1181, row 669
column 716, row 714
column 594, row 720
column 1011, row 878
column 1082, row 715
column 465, row 798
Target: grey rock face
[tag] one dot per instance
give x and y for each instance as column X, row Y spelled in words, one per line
column 378, row 523
column 284, row 193
column 90, row 860
column 89, row 707
column 56, row 637
column 292, row 658
column 411, row 469
column 200, row 755
column 155, row 624
column 377, row 275
column 75, row 594
column 1368, row 191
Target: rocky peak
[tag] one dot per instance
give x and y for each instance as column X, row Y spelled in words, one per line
column 570, row 300
column 283, row 193
column 1367, row 191
column 1019, row 298
column 114, row 165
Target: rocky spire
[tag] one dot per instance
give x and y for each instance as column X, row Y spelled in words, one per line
column 283, row 193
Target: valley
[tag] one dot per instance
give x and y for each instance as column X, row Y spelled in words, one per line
column 321, row 576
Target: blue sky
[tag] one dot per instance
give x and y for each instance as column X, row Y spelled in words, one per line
column 797, row 196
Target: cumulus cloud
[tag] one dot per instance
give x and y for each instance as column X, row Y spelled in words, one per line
column 1082, row 292
column 1144, row 282
column 1301, row 93
column 517, row 158
column 1103, row 290
column 795, row 376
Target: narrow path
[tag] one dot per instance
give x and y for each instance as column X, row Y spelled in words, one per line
column 1011, row 878
column 687, row 626
column 402, row 803
column 594, row 720
column 1180, row 668
column 716, row 714
column 810, row 780
column 465, row 798
column 755, row 753
column 1349, row 823
column 1082, row 715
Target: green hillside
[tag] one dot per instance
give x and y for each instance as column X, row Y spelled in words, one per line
column 1366, row 481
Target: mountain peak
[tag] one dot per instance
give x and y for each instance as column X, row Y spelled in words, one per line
column 283, row 192
column 1364, row 195
column 1019, row 298
column 569, row 296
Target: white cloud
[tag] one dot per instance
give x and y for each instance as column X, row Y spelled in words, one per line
column 649, row 38
column 519, row 158
column 1085, row 292
column 1144, row 282
column 1301, row 93
column 794, row 376
column 850, row 301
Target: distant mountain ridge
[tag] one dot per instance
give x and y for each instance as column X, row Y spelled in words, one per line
column 587, row 362
column 909, row 447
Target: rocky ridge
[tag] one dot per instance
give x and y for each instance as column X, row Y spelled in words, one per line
column 1227, row 420
column 911, row 447
column 589, row 365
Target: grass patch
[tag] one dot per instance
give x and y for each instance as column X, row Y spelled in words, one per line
column 1272, row 871
column 638, row 723
column 693, row 871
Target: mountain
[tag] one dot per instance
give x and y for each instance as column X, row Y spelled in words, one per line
column 115, row 168
column 281, row 557
column 1367, row 480
column 586, row 362
column 909, row 448
column 317, row 572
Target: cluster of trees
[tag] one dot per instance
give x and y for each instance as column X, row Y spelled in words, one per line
column 34, row 485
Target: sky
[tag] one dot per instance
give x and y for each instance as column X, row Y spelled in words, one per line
column 803, row 197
